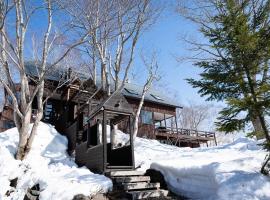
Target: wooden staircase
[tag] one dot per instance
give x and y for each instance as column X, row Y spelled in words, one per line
column 134, row 185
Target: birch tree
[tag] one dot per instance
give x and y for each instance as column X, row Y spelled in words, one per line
column 152, row 69
column 115, row 28
column 194, row 115
column 15, row 19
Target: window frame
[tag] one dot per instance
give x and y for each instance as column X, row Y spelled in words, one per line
column 146, row 117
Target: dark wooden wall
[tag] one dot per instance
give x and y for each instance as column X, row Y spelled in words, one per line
column 152, row 107
column 6, row 118
column 148, row 130
column 71, row 133
column 92, row 158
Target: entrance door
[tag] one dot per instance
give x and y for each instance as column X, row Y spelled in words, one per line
column 119, row 146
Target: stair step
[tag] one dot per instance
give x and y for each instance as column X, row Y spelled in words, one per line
column 131, row 179
column 140, row 185
column 126, row 173
column 147, row 194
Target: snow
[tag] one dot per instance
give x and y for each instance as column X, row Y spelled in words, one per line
column 230, row 171
column 47, row 164
column 224, row 172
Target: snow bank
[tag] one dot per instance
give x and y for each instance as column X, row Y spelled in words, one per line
column 225, row 172
column 47, row 164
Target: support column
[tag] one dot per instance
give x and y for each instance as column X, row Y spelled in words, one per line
column 131, row 141
column 176, row 125
column 165, row 121
column 215, row 139
column 104, row 137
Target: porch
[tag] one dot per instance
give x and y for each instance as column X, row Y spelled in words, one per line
column 164, row 127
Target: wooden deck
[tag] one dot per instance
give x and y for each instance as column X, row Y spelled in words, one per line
column 183, row 137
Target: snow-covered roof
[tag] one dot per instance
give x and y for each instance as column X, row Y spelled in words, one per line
column 153, row 95
column 130, row 90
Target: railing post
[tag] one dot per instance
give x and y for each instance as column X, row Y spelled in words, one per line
column 215, row 139
column 172, row 126
column 165, row 121
column 176, row 125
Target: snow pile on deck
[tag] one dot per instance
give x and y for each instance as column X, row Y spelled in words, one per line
column 48, row 165
column 225, row 172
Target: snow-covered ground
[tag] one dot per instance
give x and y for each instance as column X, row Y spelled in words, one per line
column 225, row 172
column 47, row 164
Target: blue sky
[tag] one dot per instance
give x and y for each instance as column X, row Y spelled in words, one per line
column 164, row 37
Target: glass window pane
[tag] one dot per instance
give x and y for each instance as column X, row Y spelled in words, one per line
column 146, row 117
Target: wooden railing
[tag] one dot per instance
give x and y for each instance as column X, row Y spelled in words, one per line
column 186, row 132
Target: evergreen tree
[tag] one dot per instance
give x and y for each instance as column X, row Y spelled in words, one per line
column 237, row 71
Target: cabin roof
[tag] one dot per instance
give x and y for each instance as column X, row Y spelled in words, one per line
column 153, row 95
column 54, row 75
column 130, row 90
column 116, row 103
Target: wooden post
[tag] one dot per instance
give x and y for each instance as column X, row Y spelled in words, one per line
column 153, row 124
column 88, row 135
column 176, row 125
column 68, row 92
column 89, row 108
column 171, row 125
column 131, row 141
column 215, row 139
column 165, row 121
column 104, row 138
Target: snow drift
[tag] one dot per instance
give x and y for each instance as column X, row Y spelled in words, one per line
column 48, row 165
column 227, row 172
column 224, row 172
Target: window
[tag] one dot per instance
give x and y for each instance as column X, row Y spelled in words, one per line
column 9, row 124
column 48, row 111
column 146, row 117
column 157, row 97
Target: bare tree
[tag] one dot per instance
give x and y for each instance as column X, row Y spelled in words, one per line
column 18, row 15
column 152, row 68
column 194, row 115
column 115, row 27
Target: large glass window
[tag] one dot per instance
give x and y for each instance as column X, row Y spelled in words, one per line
column 146, row 117
column 9, row 124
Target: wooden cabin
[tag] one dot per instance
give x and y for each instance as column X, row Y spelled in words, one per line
column 158, row 119
column 77, row 110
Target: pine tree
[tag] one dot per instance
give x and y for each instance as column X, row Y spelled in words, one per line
column 238, row 70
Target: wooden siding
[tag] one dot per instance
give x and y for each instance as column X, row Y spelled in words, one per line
column 148, row 130
column 71, row 133
column 92, row 158
column 152, row 107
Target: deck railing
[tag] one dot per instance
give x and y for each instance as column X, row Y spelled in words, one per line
column 197, row 134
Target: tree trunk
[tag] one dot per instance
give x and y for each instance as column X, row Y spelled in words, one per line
column 37, row 120
column 103, row 76
column 258, row 129
column 23, row 135
column 136, row 121
column 26, row 140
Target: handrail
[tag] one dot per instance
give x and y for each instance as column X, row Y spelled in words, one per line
column 184, row 131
